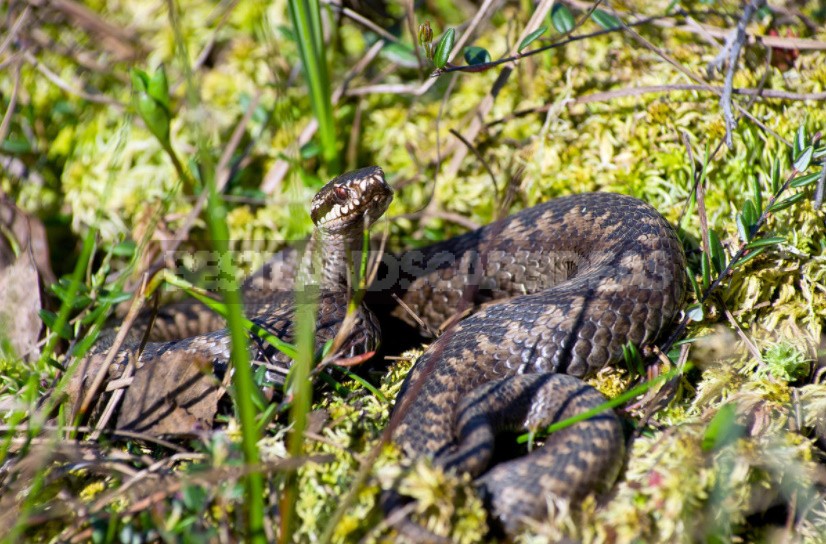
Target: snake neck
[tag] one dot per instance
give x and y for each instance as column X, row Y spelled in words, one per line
column 331, row 261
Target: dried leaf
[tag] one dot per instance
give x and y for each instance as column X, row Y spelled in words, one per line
column 175, row 395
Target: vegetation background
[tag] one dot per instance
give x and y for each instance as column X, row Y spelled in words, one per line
column 261, row 102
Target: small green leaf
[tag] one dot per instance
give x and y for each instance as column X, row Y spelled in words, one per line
column 309, row 150
column 783, row 204
column 400, row 54
column 443, row 48
column 799, row 140
column 362, row 382
column 757, row 194
column 15, row 145
column 140, row 81
column 693, row 281
column 717, row 255
column 341, row 391
column 802, row 181
column 194, row 497
column 124, row 249
column 530, row 38
column 93, row 315
column 749, row 256
column 742, row 227
column 476, row 55
column 81, row 347
column 633, row 360
column 154, row 116
column 750, row 213
column 705, row 270
column 605, row 20
column 158, row 87
column 775, row 175
column 50, row 319
column 802, row 162
column 562, row 19
column 325, row 350
column 722, row 429
column 764, row 242
column 54, row 364
column 114, row 297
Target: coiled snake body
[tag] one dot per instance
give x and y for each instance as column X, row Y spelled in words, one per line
column 586, row 274
column 558, row 290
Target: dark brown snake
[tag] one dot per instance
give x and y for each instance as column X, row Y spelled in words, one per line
column 557, row 289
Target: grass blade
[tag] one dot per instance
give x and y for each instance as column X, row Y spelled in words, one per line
column 242, row 377
column 306, row 18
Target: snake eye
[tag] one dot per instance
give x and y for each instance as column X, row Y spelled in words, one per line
column 341, row 193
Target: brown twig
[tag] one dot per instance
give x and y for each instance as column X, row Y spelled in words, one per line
column 121, row 42
column 419, row 321
column 682, row 69
column 103, row 371
column 776, row 42
column 755, row 352
column 15, row 29
column 4, row 125
column 68, row 88
column 479, row 156
column 361, row 20
column 733, row 46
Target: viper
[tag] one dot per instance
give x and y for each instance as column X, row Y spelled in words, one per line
column 529, row 306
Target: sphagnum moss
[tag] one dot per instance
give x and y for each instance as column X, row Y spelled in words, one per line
column 671, row 488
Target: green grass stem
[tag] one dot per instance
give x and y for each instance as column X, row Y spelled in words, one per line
column 219, row 232
column 306, row 18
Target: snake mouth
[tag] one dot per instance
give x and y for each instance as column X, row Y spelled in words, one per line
column 352, row 201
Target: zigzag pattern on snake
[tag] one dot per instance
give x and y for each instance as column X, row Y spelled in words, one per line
column 556, row 291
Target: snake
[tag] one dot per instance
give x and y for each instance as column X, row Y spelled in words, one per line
column 528, row 307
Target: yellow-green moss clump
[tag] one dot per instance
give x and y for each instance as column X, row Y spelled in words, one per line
column 757, row 349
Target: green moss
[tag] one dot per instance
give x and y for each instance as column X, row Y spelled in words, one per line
column 100, row 167
column 786, row 362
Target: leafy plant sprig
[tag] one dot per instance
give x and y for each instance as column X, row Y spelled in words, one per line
column 478, row 58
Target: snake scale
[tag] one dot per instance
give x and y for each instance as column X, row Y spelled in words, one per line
column 554, row 292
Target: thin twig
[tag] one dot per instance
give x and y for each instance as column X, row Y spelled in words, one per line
column 747, row 91
column 15, row 28
column 662, row 54
column 479, row 156
column 4, row 125
column 362, row 20
column 456, row 218
column 54, row 78
column 103, row 371
column 410, row 16
column 734, row 44
column 419, row 321
column 777, row 42
column 755, row 352
column 210, row 45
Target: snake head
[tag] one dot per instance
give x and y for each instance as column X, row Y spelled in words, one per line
column 352, row 201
